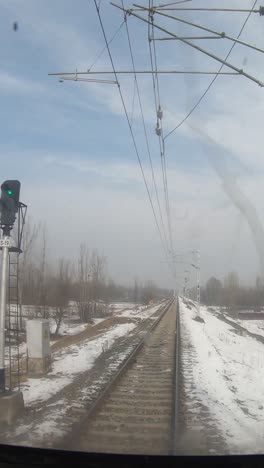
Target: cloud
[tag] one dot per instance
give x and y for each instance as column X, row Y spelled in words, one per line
column 11, row 84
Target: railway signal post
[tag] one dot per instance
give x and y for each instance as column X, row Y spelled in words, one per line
column 11, row 403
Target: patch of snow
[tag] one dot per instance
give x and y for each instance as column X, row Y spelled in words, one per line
column 39, row 389
column 228, row 378
column 254, row 326
column 122, row 305
column 70, row 362
column 81, row 358
column 96, row 321
column 141, row 312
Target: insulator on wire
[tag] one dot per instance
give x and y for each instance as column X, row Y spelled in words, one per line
column 158, row 129
column 261, row 11
column 160, row 113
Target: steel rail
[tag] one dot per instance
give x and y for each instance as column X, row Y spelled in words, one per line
column 95, row 406
column 176, row 376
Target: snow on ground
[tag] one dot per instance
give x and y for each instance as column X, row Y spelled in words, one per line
column 253, row 326
column 122, row 305
column 228, row 378
column 68, row 363
column 67, row 328
column 139, row 312
column 96, row 321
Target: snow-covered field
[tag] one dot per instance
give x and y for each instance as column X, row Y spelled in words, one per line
column 80, row 358
column 254, row 326
column 228, row 378
column 67, row 364
column 118, row 306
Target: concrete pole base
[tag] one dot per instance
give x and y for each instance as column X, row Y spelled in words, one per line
column 39, row 366
column 11, row 406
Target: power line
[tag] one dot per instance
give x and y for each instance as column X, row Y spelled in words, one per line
column 157, row 106
column 144, row 126
column 174, row 3
column 133, row 103
column 160, row 134
column 104, row 48
column 215, row 77
column 129, row 124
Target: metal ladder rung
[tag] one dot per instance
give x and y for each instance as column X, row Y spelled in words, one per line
column 12, row 324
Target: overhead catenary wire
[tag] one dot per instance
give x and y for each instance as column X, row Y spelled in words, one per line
column 154, row 67
column 144, row 127
column 159, row 127
column 221, row 35
column 174, row 3
column 104, row 48
column 157, row 104
column 196, row 47
column 213, row 80
column 129, row 125
column 133, row 103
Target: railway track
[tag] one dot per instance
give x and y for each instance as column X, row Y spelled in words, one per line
column 137, row 411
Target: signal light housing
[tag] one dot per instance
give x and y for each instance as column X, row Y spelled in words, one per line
column 9, row 202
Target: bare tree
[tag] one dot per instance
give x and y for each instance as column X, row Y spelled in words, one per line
column 59, row 292
column 84, row 285
column 98, row 271
column 149, row 292
column 30, row 236
column 42, row 288
column 91, row 282
column 213, row 291
column 231, row 283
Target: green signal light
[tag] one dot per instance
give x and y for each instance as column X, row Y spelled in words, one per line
column 9, row 192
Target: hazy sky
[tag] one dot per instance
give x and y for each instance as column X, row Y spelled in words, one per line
column 69, row 143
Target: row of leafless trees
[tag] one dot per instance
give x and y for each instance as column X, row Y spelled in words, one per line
column 51, row 285
column 230, row 293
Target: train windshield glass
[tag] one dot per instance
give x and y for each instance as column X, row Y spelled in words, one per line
column 131, row 226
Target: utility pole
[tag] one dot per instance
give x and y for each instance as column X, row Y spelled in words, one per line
column 186, row 280
column 196, row 265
